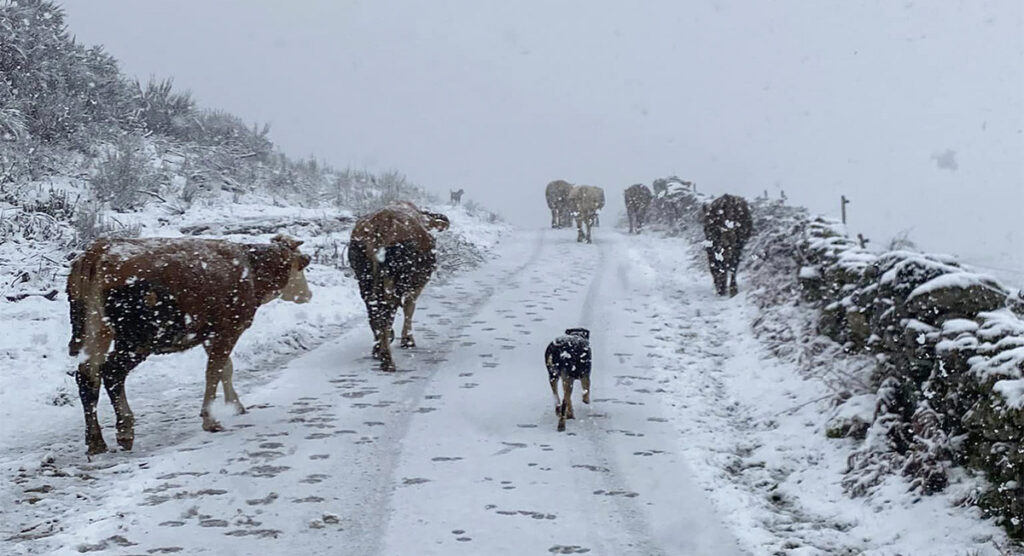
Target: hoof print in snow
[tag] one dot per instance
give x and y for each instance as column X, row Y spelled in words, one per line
column 373, row 423
column 317, row 436
column 623, row 493
column 408, row 481
column 315, row 457
column 568, row 549
column 308, row 500
column 172, row 524
column 526, row 426
column 268, row 499
column 314, row 478
column 462, row 375
column 271, row 445
column 657, row 419
column 266, row 470
column 648, row 452
column 469, row 385
column 446, row 458
column 596, row 468
column 259, row 533
column 426, row 409
column 116, row 540
column 213, row 523
column 165, row 550
column 463, row 539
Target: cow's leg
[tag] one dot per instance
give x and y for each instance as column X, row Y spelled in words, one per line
column 386, row 309
column 218, row 352
column 408, row 308
column 114, row 372
column 589, row 223
column 88, row 378
column 579, row 230
column 230, row 395
column 715, row 263
column 554, row 218
column 585, row 381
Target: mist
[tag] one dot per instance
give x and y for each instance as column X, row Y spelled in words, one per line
column 915, row 111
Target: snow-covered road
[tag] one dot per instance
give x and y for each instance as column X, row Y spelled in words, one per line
column 457, row 452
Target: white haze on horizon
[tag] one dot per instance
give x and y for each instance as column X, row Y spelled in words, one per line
column 913, row 110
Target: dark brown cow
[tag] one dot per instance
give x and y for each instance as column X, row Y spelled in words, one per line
column 638, row 199
column 728, row 226
column 164, row 296
column 557, row 195
column 392, row 254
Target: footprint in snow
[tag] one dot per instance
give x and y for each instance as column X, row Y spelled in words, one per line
column 568, row 549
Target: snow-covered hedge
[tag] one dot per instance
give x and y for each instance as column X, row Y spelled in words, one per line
column 926, row 357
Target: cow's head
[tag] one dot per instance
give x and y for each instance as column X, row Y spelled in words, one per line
column 435, row 220
column 295, row 289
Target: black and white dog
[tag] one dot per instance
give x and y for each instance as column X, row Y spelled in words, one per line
column 568, row 358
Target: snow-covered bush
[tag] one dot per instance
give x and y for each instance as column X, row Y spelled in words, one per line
column 926, row 358
column 125, row 176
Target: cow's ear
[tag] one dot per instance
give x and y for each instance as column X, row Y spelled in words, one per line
column 287, row 241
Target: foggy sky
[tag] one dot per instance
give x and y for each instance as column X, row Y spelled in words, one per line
column 914, row 110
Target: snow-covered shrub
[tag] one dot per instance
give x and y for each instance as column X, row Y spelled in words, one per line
column 926, row 358
column 124, row 176
column 91, row 224
column 163, row 110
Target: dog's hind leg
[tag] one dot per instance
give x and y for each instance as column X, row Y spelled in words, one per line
column 567, row 392
column 554, row 391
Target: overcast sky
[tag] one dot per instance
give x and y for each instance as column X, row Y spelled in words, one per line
column 912, row 109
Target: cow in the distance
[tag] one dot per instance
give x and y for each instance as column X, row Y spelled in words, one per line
column 152, row 296
column 638, row 199
column 586, row 201
column 456, row 196
column 392, row 254
column 727, row 227
column 557, row 195
column 568, row 359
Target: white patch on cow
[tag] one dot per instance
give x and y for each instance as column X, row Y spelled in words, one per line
column 380, row 254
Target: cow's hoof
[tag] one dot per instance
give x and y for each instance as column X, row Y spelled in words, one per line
column 571, row 415
column 561, row 426
column 126, row 442
column 239, row 408
column 212, row 426
column 586, row 398
column 96, row 447
column 408, row 342
column 388, row 367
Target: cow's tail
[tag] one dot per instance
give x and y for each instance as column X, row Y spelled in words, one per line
column 363, row 260
column 82, row 298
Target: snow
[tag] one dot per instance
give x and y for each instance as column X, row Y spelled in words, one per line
column 1012, row 391
column 810, row 273
column 960, row 279
column 697, row 440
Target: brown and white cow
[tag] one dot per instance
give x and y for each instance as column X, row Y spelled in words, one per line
column 168, row 295
column 586, row 201
column 727, row 227
column 392, row 254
